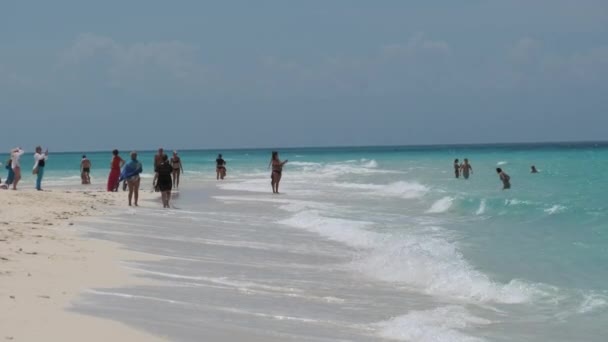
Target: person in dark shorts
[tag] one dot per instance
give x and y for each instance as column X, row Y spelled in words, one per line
column 85, row 170
column 220, row 167
column 456, row 168
column 164, row 182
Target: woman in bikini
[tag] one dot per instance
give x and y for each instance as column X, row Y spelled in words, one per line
column 176, row 162
column 277, row 169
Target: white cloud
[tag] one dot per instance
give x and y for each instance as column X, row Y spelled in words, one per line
column 125, row 65
column 525, row 51
column 418, row 44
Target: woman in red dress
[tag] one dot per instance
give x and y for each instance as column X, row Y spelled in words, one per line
column 115, row 167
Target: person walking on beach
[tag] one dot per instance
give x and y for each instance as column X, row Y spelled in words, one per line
column 10, row 177
column 39, row 163
column 158, row 159
column 466, row 168
column 114, row 176
column 277, row 170
column 456, row 168
column 176, row 162
column 16, row 154
column 163, row 180
column 85, row 170
column 504, row 178
column 130, row 174
column 220, row 167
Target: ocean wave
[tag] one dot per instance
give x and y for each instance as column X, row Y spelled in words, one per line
column 402, row 189
column 593, row 302
column 349, row 232
column 425, row 260
column 482, row 208
column 556, row 209
column 441, row 206
column 440, row 324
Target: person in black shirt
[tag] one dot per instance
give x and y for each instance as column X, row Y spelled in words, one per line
column 164, row 182
column 220, row 168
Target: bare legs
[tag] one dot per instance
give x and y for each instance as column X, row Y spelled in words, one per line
column 276, row 179
column 17, row 171
column 166, row 196
column 176, row 173
column 220, row 173
column 133, row 190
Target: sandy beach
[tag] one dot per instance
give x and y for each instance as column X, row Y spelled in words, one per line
column 45, row 264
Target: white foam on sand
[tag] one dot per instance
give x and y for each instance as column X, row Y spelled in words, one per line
column 445, row 324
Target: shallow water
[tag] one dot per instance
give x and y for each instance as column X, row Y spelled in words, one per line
column 437, row 258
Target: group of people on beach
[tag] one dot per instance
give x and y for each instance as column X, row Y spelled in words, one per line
column 13, row 166
column 166, row 175
column 466, row 169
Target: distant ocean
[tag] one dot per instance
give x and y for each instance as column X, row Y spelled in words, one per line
column 525, row 262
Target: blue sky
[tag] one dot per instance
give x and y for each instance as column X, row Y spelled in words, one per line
column 82, row 75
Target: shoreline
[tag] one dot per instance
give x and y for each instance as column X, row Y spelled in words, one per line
column 46, row 264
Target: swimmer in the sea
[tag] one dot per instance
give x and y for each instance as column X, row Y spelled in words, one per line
column 456, row 168
column 466, row 168
column 504, row 178
column 533, row 169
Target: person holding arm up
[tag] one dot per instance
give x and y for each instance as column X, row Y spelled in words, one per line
column 39, row 163
column 16, row 154
column 277, row 169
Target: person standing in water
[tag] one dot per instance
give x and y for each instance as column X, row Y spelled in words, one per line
column 10, row 177
column 220, row 167
column 504, row 178
column 466, row 168
column 176, row 162
column 114, row 176
column 533, row 169
column 163, row 180
column 130, row 174
column 39, row 163
column 277, row 169
column 456, row 168
column 16, row 154
column 85, row 170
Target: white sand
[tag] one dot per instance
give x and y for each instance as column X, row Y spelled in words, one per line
column 45, row 265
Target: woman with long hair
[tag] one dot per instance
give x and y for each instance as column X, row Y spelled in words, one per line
column 277, row 170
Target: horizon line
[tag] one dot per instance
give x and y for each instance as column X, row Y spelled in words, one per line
column 456, row 145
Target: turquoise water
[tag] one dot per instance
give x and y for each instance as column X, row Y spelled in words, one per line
column 533, row 258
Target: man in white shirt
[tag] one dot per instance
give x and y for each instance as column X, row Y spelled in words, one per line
column 16, row 153
column 40, row 162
